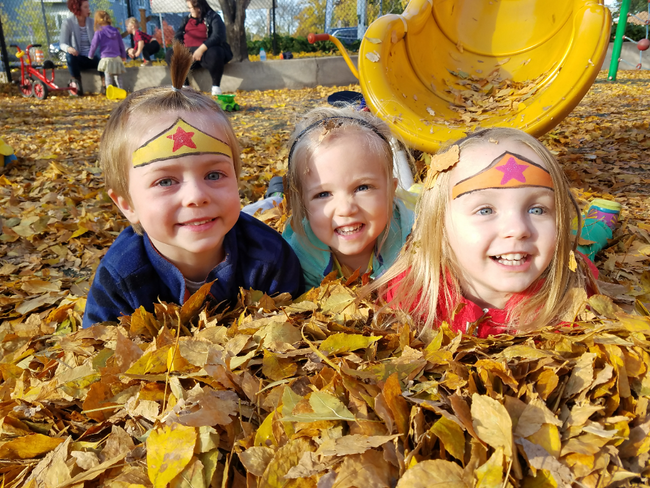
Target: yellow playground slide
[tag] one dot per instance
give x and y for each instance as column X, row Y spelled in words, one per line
column 444, row 67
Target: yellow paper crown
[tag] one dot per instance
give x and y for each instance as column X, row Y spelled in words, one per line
column 507, row 171
column 179, row 140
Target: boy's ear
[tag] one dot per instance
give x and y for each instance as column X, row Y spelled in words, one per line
column 125, row 206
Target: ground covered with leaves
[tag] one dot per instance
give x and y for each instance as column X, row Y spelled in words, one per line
column 325, row 391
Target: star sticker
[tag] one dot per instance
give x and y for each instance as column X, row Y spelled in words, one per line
column 182, row 138
column 512, row 170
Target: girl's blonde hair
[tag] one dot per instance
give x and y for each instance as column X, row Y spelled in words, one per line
column 321, row 127
column 117, row 146
column 428, row 267
column 101, row 19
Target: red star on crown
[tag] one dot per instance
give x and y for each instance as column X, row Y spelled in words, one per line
column 512, row 170
column 182, row 138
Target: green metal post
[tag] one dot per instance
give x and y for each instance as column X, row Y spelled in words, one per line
column 618, row 40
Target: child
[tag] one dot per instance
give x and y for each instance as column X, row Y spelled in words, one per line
column 491, row 249
column 171, row 164
column 144, row 43
column 113, row 53
column 341, row 194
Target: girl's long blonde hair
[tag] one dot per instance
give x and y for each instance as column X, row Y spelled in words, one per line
column 101, row 19
column 427, row 266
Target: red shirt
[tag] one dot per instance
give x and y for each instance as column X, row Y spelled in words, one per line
column 195, row 33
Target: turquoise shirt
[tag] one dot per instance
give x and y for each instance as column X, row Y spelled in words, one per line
column 317, row 260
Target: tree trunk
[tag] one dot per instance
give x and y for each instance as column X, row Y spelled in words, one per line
column 234, row 16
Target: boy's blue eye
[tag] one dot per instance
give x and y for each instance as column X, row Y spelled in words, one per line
column 536, row 211
column 485, row 211
column 214, row 175
column 165, row 182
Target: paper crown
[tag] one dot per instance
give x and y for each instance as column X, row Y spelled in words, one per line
column 177, row 141
column 507, row 171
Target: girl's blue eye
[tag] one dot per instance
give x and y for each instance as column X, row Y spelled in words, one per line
column 363, row 188
column 323, row 194
column 536, row 211
column 165, row 182
column 214, row 175
column 485, row 211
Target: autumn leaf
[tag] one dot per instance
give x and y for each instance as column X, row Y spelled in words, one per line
column 492, row 422
column 163, row 463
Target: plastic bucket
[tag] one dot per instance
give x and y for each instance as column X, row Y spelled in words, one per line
column 115, row 93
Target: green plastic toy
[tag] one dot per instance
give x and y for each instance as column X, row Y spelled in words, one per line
column 227, row 103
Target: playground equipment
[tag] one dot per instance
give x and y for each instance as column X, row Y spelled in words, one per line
column 642, row 45
column 34, row 79
column 443, row 68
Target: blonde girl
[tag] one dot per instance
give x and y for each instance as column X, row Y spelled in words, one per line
column 113, row 53
column 492, row 248
column 345, row 216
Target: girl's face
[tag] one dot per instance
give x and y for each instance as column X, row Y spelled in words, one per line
column 347, row 197
column 195, row 13
column 502, row 238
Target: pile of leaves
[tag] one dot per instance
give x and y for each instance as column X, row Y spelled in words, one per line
column 313, row 393
column 329, row 390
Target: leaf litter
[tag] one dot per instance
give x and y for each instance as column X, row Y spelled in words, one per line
column 326, row 391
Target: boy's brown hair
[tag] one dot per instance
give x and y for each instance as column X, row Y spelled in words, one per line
column 101, row 19
column 116, row 147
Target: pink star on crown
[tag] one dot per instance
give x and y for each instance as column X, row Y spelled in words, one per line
column 182, row 138
column 512, row 170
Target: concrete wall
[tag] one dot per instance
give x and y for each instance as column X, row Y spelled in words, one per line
column 268, row 75
column 274, row 75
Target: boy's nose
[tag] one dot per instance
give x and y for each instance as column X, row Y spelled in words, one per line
column 195, row 194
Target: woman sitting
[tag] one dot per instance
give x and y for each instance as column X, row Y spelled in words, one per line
column 204, row 34
column 76, row 35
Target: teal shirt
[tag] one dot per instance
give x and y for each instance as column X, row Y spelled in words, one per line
column 317, row 260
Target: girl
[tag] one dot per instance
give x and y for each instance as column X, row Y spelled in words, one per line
column 345, row 216
column 204, row 34
column 492, row 248
column 113, row 53
column 144, row 43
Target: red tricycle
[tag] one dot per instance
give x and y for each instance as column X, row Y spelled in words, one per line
column 34, row 79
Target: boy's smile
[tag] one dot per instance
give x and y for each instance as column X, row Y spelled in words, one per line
column 502, row 238
column 187, row 204
column 346, row 195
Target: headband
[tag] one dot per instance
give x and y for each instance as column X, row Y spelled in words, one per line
column 507, row 171
column 181, row 139
column 360, row 122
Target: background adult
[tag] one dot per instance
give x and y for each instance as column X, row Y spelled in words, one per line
column 76, row 35
column 144, row 43
column 204, row 34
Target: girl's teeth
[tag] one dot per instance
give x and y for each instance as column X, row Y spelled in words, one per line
column 348, row 230
column 200, row 223
column 514, row 259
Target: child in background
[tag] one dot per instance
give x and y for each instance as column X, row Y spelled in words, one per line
column 171, row 165
column 144, row 43
column 345, row 216
column 492, row 249
column 109, row 40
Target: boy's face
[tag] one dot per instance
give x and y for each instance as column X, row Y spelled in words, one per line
column 186, row 204
column 502, row 238
column 130, row 28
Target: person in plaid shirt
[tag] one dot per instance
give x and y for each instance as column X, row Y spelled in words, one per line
column 143, row 43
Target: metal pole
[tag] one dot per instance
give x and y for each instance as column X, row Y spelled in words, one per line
column 361, row 18
column 3, row 52
column 162, row 32
column 274, row 47
column 618, row 40
column 47, row 32
column 329, row 8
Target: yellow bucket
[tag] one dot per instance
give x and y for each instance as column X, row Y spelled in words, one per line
column 115, row 93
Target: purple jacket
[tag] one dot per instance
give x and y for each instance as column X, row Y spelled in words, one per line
column 109, row 41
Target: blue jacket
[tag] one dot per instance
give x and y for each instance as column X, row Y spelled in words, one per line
column 317, row 260
column 134, row 274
